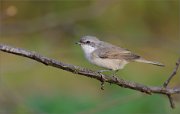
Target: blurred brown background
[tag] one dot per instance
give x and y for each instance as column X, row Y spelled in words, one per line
column 147, row 27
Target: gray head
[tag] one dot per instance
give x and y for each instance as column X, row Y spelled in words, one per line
column 89, row 40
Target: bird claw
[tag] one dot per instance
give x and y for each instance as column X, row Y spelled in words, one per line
column 116, row 79
column 114, row 75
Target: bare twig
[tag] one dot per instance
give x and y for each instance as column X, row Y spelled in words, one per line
column 93, row 74
column 173, row 74
column 171, row 101
column 168, row 80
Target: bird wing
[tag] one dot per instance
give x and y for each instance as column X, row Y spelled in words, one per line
column 115, row 53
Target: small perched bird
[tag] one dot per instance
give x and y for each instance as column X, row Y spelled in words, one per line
column 109, row 56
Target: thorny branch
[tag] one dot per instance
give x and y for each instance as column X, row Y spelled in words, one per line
column 96, row 75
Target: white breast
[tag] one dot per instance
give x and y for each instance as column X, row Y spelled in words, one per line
column 88, row 51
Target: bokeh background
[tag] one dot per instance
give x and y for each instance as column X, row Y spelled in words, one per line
column 147, row 27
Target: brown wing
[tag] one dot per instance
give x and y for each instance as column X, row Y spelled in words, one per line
column 115, row 53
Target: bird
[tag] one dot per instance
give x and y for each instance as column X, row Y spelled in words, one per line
column 109, row 56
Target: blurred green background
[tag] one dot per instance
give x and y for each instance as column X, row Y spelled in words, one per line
column 147, row 27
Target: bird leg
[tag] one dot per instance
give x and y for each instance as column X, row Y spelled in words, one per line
column 114, row 74
column 102, row 76
column 101, row 71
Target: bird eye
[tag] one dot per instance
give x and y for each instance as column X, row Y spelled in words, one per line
column 88, row 42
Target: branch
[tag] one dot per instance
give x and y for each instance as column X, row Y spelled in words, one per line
column 92, row 74
column 168, row 80
column 172, row 74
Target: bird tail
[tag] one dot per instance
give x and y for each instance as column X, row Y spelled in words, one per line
column 149, row 62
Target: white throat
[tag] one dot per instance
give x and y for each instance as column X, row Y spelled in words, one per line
column 88, row 51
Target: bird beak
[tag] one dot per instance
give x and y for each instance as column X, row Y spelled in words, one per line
column 78, row 43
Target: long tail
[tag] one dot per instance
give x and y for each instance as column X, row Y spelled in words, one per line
column 149, row 62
